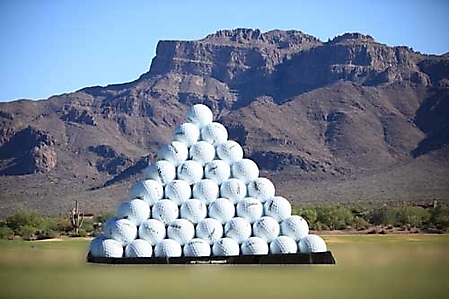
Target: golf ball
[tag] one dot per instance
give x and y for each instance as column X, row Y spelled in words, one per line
column 282, row 245
column 196, row 248
column 193, row 210
column 165, row 210
column 249, row 208
column 278, row 207
column 229, row 151
column 222, row 210
column 233, row 189
column 238, row 228
column 175, row 152
column 295, row 227
column 202, row 152
column 95, row 247
column 214, row 133
column 121, row 230
column 205, row 190
column 254, row 246
column 181, row 230
column 152, row 231
column 150, row 191
column 167, row 248
column 199, row 115
column 162, row 171
column 178, row 191
column 210, row 230
column 187, row 133
column 138, row 248
column 266, row 228
column 226, row 247
column 312, row 243
column 106, row 248
column 245, row 170
column 135, row 210
column 190, row 171
column 217, row 170
column 261, row 188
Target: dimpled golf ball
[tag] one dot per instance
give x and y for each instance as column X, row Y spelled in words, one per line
column 261, row 188
column 295, row 227
column 121, row 230
column 221, row 209
column 312, row 243
column 266, row 228
column 178, row 191
column 175, row 152
column 107, row 248
column 249, row 208
column 278, row 207
column 95, row 247
column 168, row 248
column 206, row 190
column 202, row 152
column 165, row 210
column 238, row 228
column 210, row 230
column 181, row 230
column 199, row 115
column 196, row 248
column 190, row 171
column 162, row 171
column 229, row 151
column 245, row 170
column 254, row 246
column 233, row 189
column 149, row 191
column 152, row 230
column 187, row 133
column 193, row 210
column 217, row 171
column 226, row 247
column 214, row 133
column 283, row 245
column 135, row 210
column 138, row 248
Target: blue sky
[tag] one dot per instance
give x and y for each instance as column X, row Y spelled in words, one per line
column 50, row 47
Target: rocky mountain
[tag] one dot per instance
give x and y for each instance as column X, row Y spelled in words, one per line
column 343, row 120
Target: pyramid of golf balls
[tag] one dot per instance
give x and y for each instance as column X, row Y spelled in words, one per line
column 203, row 198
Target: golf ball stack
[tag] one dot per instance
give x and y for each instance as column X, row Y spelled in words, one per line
column 221, row 209
column 245, row 170
column 187, row 133
column 190, row 171
column 199, row 115
column 278, row 207
column 196, row 248
column 229, row 151
column 121, row 230
column 135, row 210
column 283, row 245
column 152, row 230
column 210, row 230
column 181, row 230
column 261, row 188
column 202, row 152
column 168, row 248
column 193, row 210
column 165, row 210
column 138, row 248
column 217, row 170
column 178, row 191
column 149, row 191
column 254, row 246
column 249, row 208
column 266, row 228
column 226, row 247
column 162, row 171
column 206, row 190
column 233, row 189
column 175, row 152
column 238, row 228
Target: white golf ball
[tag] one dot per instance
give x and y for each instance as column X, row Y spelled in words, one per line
column 95, row 247
column 175, row 152
column 261, row 188
column 217, row 171
column 121, row 230
column 190, row 171
column 196, row 248
column 210, row 230
column 282, row 245
column 278, row 207
column 202, row 152
column 187, row 133
column 205, row 190
column 181, row 230
column 162, row 171
column 233, row 189
column 165, row 210
column 221, row 209
column 138, row 248
column 199, row 115
column 312, row 243
column 150, row 191
column 249, row 208
column 106, row 248
column 226, row 247
column 152, row 231
column 238, row 228
column 295, row 227
column 245, row 170
column 135, row 210
column 178, row 191
column 193, row 210
column 214, row 133
column 229, row 151
column 266, row 228
column 167, row 248
column 254, row 246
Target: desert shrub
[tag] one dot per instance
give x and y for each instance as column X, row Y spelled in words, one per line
column 5, row 232
column 47, row 234
column 334, row 217
column 25, row 219
column 440, row 216
column 412, row 216
column 27, row 232
column 385, row 215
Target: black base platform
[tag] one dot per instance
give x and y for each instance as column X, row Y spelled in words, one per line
column 324, row 258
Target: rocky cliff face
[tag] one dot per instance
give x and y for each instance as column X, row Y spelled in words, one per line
column 304, row 110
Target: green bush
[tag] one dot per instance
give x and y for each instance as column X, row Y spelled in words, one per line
column 440, row 216
column 25, row 219
column 27, row 232
column 6, row 232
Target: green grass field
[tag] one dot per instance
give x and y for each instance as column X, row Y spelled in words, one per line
column 368, row 266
